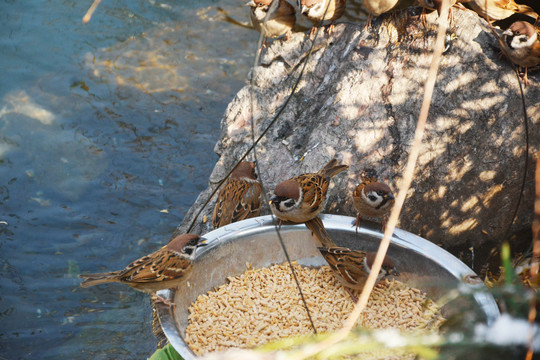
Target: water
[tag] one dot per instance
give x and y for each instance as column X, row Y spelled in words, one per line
column 106, row 138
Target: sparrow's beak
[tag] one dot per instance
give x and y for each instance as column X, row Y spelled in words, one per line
column 393, row 272
column 273, row 200
column 202, row 242
column 251, row 3
column 508, row 32
column 389, row 196
column 304, row 10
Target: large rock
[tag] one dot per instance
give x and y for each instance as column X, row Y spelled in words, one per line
column 359, row 100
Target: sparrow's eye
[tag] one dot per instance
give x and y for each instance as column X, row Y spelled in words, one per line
column 380, row 192
column 289, row 203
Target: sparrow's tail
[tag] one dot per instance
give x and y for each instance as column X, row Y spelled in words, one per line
column 332, row 169
column 527, row 10
column 317, row 228
column 99, row 278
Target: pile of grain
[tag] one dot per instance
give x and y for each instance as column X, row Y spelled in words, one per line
column 263, row 305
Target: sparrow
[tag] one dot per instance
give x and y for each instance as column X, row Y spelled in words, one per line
column 352, row 267
column 162, row 269
column 521, row 45
column 373, row 199
column 240, row 198
column 315, row 10
column 280, row 21
column 493, row 10
column 378, row 7
column 437, row 5
column 303, row 197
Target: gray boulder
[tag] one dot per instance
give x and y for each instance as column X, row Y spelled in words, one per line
column 359, row 100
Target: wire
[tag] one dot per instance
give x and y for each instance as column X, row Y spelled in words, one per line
column 252, row 108
column 256, row 142
column 526, row 166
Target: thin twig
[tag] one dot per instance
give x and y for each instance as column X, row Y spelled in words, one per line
column 526, row 130
column 400, row 199
column 274, row 120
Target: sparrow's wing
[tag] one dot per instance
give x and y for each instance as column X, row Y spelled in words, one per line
column 224, row 205
column 249, row 204
column 366, row 179
column 285, row 10
column 238, row 200
column 159, row 266
column 314, row 188
column 346, row 263
column 358, row 189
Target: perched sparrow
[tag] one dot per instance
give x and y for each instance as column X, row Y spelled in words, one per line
column 372, row 199
column 492, row 10
column 521, row 45
column 280, row 21
column 378, row 7
column 437, row 5
column 352, row 267
column 315, row 10
column 303, row 197
column 240, row 198
column 162, row 269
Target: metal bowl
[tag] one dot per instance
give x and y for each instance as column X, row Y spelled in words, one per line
column 421, row 264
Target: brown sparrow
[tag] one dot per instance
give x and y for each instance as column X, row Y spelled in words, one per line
column 492, row 10
column 162, row 269
column 315, row 10
column 240, row 198
column 373, row 199
column 378, row 7
column 521, row 45
column 303, row 197
column 352, row 267
column 280, row 21
column 437, row 5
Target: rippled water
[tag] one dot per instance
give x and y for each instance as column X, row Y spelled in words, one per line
column 106, row 138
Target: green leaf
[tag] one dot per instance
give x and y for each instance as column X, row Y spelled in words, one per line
column 166, row 353
column 507, row 264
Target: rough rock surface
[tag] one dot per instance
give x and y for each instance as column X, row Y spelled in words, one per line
column 359, row 100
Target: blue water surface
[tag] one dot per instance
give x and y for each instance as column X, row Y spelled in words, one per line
column 106, row 138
